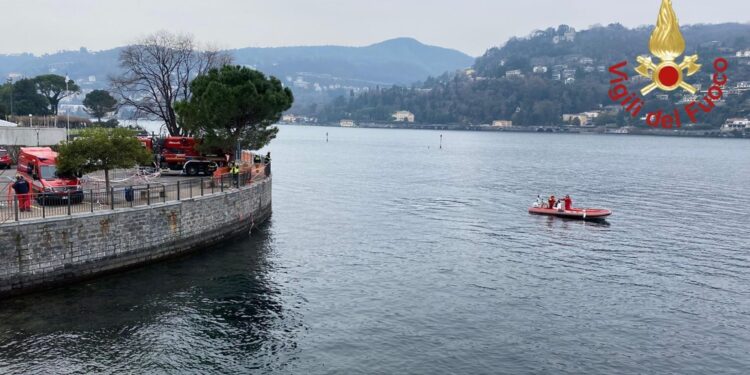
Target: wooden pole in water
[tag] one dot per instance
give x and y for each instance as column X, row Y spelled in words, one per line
column 441, row 141
column 326, row 137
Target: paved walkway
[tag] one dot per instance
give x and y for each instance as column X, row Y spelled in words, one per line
column 165, row 190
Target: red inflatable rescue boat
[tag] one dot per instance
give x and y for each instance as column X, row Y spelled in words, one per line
column 573, row 213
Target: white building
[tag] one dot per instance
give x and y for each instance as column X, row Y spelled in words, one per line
column 583, row 119
column 347, row 123
column 745, row 53
column 540, row 69
column 403, row 116
column 502, row 124
column 570, row 35
column 514, row 74
column 733, row 124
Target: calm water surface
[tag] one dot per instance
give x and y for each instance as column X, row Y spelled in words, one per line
column 388, row 255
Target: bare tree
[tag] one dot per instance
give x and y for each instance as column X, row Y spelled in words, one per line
column 157, row 71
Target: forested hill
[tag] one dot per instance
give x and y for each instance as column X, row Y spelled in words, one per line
column 400, row 60
column 535, row 79
column 395, row 61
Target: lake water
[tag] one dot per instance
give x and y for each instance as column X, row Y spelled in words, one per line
column 388, row 255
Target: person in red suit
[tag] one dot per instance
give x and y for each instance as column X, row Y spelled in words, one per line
column 568, row 202
column 551, row 202
column 22, row 189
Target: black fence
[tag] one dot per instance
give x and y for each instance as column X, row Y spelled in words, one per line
column 55, row 203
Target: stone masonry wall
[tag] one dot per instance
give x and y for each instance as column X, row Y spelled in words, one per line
column 48, row 252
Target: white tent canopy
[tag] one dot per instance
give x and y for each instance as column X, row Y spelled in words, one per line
column 6, row 123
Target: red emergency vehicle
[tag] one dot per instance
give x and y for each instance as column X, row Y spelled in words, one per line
column 5, row 161
column 181, row 153
column 38, row 166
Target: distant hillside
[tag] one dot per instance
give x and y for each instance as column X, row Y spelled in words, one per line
column 314, row 73
column 536, row 79
column 401, row 61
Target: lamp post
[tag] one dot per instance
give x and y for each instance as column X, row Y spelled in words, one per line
column 31, row 121
column 67, row 112
column 10, row 82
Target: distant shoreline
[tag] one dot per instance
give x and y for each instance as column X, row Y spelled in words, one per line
column 543, row 129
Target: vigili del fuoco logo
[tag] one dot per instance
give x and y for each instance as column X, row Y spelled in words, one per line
column 667, row 44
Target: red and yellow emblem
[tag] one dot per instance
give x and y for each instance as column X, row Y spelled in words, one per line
column 667, row 43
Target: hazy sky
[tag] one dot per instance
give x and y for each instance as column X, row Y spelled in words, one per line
column 471, row 26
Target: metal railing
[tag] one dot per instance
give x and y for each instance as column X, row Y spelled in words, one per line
column 19, row 207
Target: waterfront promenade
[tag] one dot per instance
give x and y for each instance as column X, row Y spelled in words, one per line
column 96, row 198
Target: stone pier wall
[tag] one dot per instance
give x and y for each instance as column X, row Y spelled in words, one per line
column 43, row 253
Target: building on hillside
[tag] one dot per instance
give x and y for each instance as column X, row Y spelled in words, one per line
column 502, row 124
column 514, row 74
column 581, row 119
column 347, row 123
column 688, row 98
column 569, row 73
column 540, row 69
column 403, row 116
column 570, row 81
column 736, row 124
column 745, row 53
column 586, row 61
column 570, row 35
column 575, row 119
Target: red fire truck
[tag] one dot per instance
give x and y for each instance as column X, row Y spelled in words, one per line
column 182, row 153
column 38, row 166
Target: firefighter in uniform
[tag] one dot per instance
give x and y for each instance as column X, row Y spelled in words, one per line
column 234, row 169
column 268, row 164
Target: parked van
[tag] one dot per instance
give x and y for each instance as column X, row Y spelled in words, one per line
column 38, row 166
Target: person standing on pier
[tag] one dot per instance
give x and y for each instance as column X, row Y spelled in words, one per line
column 21, row 187
column 268, row 164
column 235, row 171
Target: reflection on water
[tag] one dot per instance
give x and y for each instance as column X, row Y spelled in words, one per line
column 217, row 309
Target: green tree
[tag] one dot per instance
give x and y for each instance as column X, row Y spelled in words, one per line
column 98, row 103
column 98, row 149
column 26, row 99
column 234, row 104
column 52, row 87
